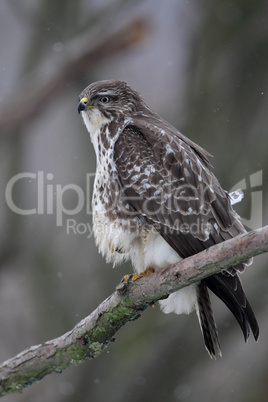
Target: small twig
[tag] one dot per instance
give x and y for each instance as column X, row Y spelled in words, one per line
column 92, row 335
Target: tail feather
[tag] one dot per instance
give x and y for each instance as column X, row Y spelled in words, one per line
column 229, row 289
column 207, row 321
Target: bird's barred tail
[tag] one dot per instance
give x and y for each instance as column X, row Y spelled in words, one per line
column 207, row 321
column 229, row 289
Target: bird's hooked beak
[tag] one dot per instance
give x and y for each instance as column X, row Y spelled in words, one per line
column 82, row 105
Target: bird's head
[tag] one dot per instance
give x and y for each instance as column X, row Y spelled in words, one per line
column 111, row 99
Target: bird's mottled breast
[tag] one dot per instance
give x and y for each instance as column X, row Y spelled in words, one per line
column 114, row 223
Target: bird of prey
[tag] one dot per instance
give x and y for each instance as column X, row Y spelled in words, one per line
column 156, row 201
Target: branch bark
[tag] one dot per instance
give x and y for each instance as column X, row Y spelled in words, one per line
column 93, row 334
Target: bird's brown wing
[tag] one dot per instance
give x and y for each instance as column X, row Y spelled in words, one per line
column 168, row 180
column 172, row 185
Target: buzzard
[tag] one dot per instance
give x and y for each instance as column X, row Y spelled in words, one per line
column 156, row 201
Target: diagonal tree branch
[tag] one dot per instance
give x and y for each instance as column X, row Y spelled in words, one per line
column 94, row 333
column 79, row 56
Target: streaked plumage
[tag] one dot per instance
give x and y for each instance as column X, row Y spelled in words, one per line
column 156, row 200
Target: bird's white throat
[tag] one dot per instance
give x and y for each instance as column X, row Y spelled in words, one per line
column 93, row 121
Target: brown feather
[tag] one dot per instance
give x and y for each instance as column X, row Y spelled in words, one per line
column 208, row 203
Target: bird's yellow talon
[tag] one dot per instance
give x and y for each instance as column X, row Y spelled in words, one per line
column 147, row 272
column 133, row 277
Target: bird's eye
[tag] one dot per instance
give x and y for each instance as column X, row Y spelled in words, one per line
column 105, row 99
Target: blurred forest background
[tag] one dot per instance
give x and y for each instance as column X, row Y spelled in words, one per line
column 203, row 66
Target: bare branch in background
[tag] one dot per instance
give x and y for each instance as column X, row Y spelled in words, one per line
column 79, row 56
column 92, row 335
